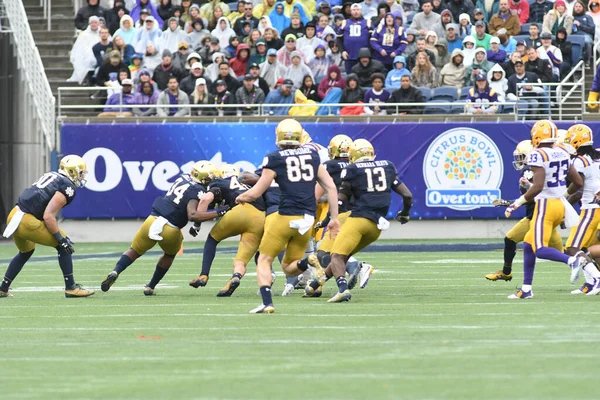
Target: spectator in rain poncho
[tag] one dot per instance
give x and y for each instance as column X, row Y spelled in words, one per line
column 468, row 50
column 82, row 55
column 198, row 32
column 206, row 11
column 278, row 18
column 145, row 4
column 264, row 8
column 126, row 30
column 151, row 57
column 297, row 70
column 320, row 63
column 223, row 32
column 172, row 36
column 147, row 95
column 298, row 8
column 271, row 70
column 148, row 33
column 212, row 71
column 309, row 42
column 264, row 23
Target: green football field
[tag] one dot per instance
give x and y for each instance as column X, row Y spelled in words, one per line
column 428, row 326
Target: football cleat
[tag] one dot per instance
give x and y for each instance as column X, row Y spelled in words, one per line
column 341, row 297
column 229, row 287
column 310, row 292
column 78, row 291
column 262, row 309
column 148, row 291
column 288, row 289
column 595, row 289
column 521, row 295
column 499, row 276
column 576, row 267
column 109, row 281
column 319, row 271
column 365, row 274
column 353, row 278
column 585, row 289
column 5, row 294
column 200, row 281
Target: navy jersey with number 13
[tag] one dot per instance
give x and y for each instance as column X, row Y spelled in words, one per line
column 35, row 198
column 371, row 183
column 296, row 171
column 173, row 205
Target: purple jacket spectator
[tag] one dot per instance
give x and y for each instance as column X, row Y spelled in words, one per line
column 390, row 42
column 147, row 95
column 145, row 4
column 128, row 98
column 497, row 57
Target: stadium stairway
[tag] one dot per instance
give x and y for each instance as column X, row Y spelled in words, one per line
column 54, row 45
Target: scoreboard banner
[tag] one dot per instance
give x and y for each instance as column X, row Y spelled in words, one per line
column 454, row 170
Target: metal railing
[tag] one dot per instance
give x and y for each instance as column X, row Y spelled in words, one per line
column 47, row 7
column 557, row 100
column 30, row 63
column 220, row 110
column 572, row 96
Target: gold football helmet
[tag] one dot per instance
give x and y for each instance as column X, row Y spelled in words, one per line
column 205, row 172
column 305, row 137
column 228, row 170
column 580, row 135
column 520, row 154
column 339, row 147
column 361, row 150
column 543, row 131
column 74, row 168
column 289, row 133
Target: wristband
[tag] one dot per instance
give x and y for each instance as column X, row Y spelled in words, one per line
column 520, row 201
column 58, row 236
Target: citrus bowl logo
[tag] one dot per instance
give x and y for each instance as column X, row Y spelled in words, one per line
column 463, row 170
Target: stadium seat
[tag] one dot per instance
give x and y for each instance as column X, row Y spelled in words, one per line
column 525, row 29
column 457, row 108
column 442, row 107
column 449, row 93
column 577, row 45
column 521, row 37
column 426, row 92
column 464, row 93
column 389, row 90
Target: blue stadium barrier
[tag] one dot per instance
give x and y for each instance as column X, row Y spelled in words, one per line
column 438, row 108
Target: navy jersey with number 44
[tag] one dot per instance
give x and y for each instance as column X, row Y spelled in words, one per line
column 35, row 198
column 371, row 183
column 296, row 171
column 173, row 205
column 226, row 190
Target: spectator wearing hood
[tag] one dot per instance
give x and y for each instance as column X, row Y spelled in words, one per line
column 388, row 41
column 366, row 67
column 151, row 57
column 212, row 71
column 382, row 10
column 126, row 30
column 165, row 70
column 213, row 47
column 279, row 20
column 480, row 65
column 333, row 79
column 411, row 40
column 497, row 80
column 239, row 64
column 223, row 32
column 320, row 63
column 90, row 10
column 353, row 92
column 263, row 9
column 114, row 15
column 198, row 32
column 443, row 57
column 296, row 27
column 447, row 19
column 309, row 89
column 538, row 10
column 271, row 70
column 521, row 8
column 284, row 55
column 488, row 8
column 505, row 19
column 147, row 33
column 558, row 18
column 145, row 76
column 164, row 9
column 469, row 50
column 495, row 55
column 426, row 20
column 453, row 73
column 407, row 93
column 309, row 42
column 245, row 17
column 458, row 7
column 284, row 94
column 82, row 54
column 188, row 84
column 173, row 36
column 146, row 95
column 395, row 75
column 297, row 70
column 452, row 38
column 145, row 5
column 234, row 42
column 464, row 25
column 482, row 99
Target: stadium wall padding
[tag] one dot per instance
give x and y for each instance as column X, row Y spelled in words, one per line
column 454, row 170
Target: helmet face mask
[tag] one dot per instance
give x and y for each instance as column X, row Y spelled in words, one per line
column 339, row 147
column 580, row 135
column 205, row 172
column 361, row 150
column 74, row 168
column 520, row 154
column 288, row 134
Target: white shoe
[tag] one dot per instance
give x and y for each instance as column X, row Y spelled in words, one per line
column 576, row 267
column 365, row 273
column 262, row 309
column 288, row 289
column 595, row 289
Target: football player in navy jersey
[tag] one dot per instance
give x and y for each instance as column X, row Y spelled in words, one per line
column 247, row 220
column 33, row 221
column 370, row 183
column 296, row 171
column 170, row 213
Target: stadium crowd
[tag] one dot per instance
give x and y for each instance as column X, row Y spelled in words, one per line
column 174, row 52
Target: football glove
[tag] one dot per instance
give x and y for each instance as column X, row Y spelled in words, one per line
column 222, row 210
column 67, row 245
column 501, row 203
column 325, row 222
column 403, row 217
column 194, row 229
column 510, row 209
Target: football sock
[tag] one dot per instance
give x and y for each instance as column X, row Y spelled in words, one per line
column 159, row 273
column 528, row 265
column 123, row 263
column 510, row 251
column 303, row 264
column 208, row 254
column 14, row 268
column 549, row 253
column 65, row 261
column 265, row 293
column 526, row 288
column 324, row 258
column 342, row 284
column 236, row 275
column 291, row 280
column 591, row 269
column 352, row 267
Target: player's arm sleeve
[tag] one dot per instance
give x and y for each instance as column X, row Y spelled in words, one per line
column 217, row 193
column 578, row 165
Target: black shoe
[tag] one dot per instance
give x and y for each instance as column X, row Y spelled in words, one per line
column 109, row 281
column 229, row 288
